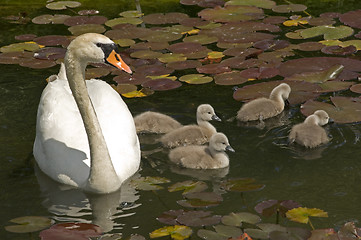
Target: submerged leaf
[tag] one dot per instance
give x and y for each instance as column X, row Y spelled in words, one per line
column 188, row 186
column 79, row 231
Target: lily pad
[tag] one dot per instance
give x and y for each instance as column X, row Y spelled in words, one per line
column 38, row 63
column 146, row 54
column 81, row 20
column 61, row 5
column 164, row 18
column 236, row 219
column 271, row 44
column 81, row 231
column 86, row 28
column 149, row 183
column 289, row 8
column 177, row 232
column 47, row 19
column 310, row 46
column 131, row 13
column 319, row 76
column 356, row 88
column 202, row 39
column 241, row 185
column 127, row 31
column 169, row 217
column 198, row 218
column 320, row 21
column 18, row 47
column 328, row 32
column 214, row 68
column 150, row 45
column 344, row 110
column 221, row 233
column 154, row 70
column 135, row 78
column 267, row 4
column 259, row 73
column 302, row 214
column 338, row 50
column 188, row 186
column 144, row 92
column 96, row 72
column 123, row 20
column 50, row 53
column 52, row 40
column 161, row 84
column 352, row 18
column 195, row 79
column 229, row 78
column 162, row 36
column 125, row 42
column 201, row 200
column 231, row 13
column 172, row 57
column 28, row 224
column 125, row 88
column 270, row 207
column 188, row 64
column 25, row 37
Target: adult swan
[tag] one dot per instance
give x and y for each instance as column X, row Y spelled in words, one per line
column 85, row 134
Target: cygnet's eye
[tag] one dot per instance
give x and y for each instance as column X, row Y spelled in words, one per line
column 209, row 113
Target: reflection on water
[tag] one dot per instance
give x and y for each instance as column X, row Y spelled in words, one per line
column 71, row 204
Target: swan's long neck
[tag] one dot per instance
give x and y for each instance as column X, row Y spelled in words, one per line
column 102, row 177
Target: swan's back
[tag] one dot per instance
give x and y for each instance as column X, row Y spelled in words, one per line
column 154, row 122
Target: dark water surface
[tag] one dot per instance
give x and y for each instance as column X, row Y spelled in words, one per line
column 325, row 178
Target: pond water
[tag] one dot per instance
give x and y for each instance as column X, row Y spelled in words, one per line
column 325, row 178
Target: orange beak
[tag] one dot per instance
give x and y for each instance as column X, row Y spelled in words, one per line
column 115, row 60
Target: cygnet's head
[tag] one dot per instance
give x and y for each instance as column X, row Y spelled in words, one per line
column 322, row 116
column 219, row 142
column 205, row 112
column 282, row 90
column 95, row 48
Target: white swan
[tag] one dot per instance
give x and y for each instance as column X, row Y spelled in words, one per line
column 85, row 134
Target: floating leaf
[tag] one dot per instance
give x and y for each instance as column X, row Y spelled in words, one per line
column 195, row 79
column 125, row 88
column 161, row 84
column 229, row 78
column 214, row 68
column 231, row 13
column 82, row 20
column 302, row 214
column 61, row 5
column 25, row 37
column 344, row 110
column 353, row 43
column 352, row 18
column 149, row 183
column 310, row 46
column 144, row 92
column 289, row 8
column 28, row 224
column 172, row 57
column 356, row 88
column 296, row 22
column 320, row 21
column 241, row 185
column 270, row 207
column 15, row 57
column 177, row 232
column 86, row 28
column 221, row 232
column 201, row 199
column 131, row 13
column 47, row 19
column 323, row 234
column 328, row 32
column 146, row 54
column 38, row 63
column 125, row 42
column 52, row 40
column 184, row 64
column 188, row 186
column 198, row 218
column 267, row 4
column 96, row 72
column 319, row 76
column 202, row 39
column 236, row 219
column 169, row 217
column 123, row 20
column 79, row 231
column 162, row 36
column 18, row 47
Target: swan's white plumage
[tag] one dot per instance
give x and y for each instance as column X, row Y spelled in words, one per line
column 61, row 147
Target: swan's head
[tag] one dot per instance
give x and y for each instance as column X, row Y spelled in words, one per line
column 96, row 48
column 219, row 142
column 282, row 90
column 322, row 116
column 205, row 112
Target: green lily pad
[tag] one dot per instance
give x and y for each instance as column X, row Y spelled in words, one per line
column 319, row 76
column 29, row 224
column 96, row 72
column 124, row 42
column 176, row 232
column 172, row 57
column 18, row 47
column 202, row 39
column 267, row 4
column 146, row 54
column 302, row 214
column 231, row 13
column 131, row 13
column 164, row 18
column 80, row 231
column 188, row 186
column 149, row 183
column 47, row 19
column 328, row 32
column 125, row 88
column 236, row 219
column 344, row 110
column 229, row 78
column 289, row 8
column 334, row 86
column 241, row 185
column 86, row 28
column 61, row 5
column 123, row 20
column 195, row 79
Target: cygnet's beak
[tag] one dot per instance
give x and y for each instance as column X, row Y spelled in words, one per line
column 115, row 60
column 229, row 148
column 215, row 117
column 287, row 103
column 330, row 120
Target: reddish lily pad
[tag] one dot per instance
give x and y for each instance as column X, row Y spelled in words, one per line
column 271, row 44
column 81, row 231
column 188, row 186
column 289, row 8
column 50, row 53
column 338, row 50
column 195, row 79
column 25, row 37
column 135, row 78
column 320, row 21
column 344, row 110
column 229, row 78
column 161, row 84
column 186, row 47
column 154, row 70
column 80, row 20
column 15, row 57
column 231, row 13
column 270, row 207
column 86, row 28
column 352, row 18
column 201, row 200
column 240, row 63
column 310, row 46
column 47, row 19
column 52, row 40
column 38, row 64
column 28, row 224
column 192, row 22
column 356, row 88
column 259, row 73
column 125, row 31
column 267, row 4
column 214, row 68
column 167, row 18
column 169, row 217
column 301, row 91
column 245, row 52
column 274, row 19
column 241, row 185
column 61, row 5
column 184, row 64
column 146, row 54
column 198, row 218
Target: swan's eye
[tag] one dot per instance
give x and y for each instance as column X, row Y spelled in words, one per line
column 99, row 45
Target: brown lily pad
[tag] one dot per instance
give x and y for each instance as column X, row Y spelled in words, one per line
column 310, row 46
column 352, row 18
column 214, row 68
column 50, row 53
column 135, row 78
column 164, row 18
column 231, row 13
column 52, row 40
column 25, row 37
column 161, row 84
column 229, row 78
column 86, row 28
column 338, row 50
column 356, row 88
column 15, row 57
column 188, row 64
column 38, row 64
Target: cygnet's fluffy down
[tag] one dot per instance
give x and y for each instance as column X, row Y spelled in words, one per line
column 193, row 134
column 154, row 122
column 203, row 157
column 310, row 133
column 263, row 108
